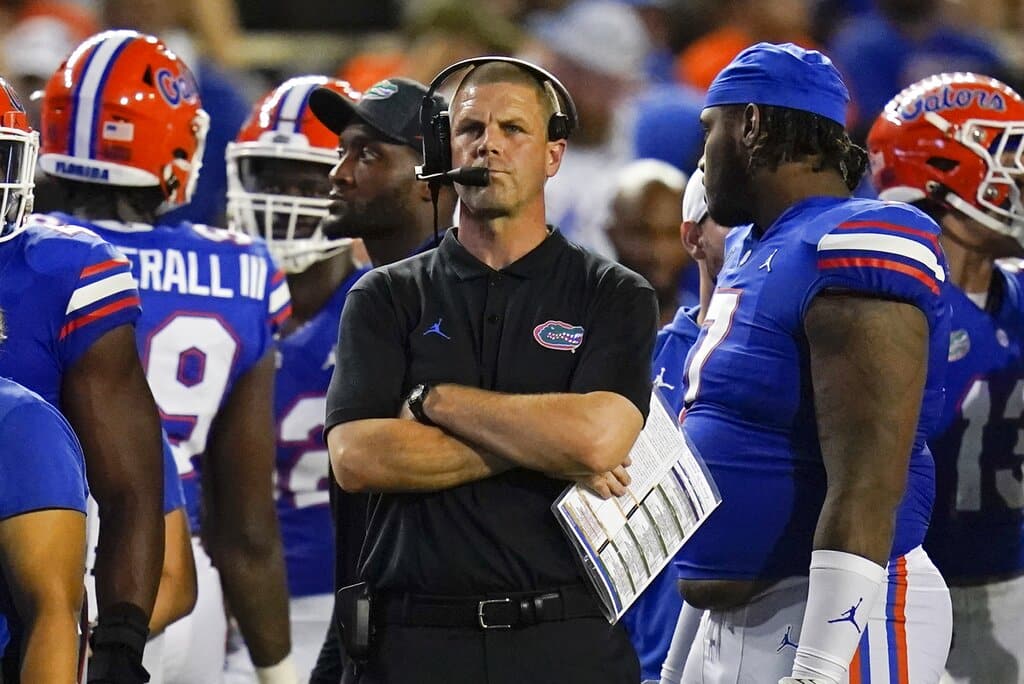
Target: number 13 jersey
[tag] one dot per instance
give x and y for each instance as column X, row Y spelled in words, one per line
column 749, row 405
column 211, row 302
column 977, row 529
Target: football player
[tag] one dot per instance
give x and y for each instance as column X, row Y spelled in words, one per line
column 42, row 533
column 816, row 379
column 278, row 189
column 71, row 303
column 124, row 136
column 951, row 145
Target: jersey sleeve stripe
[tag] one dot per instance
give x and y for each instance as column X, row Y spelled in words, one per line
column 88, row 295
column 894, row 227
column 102, row 266
column 278, row 298
column 885, row 244
column 278, row 277
column 98, row 314
column 281, row 316
column 897, row 266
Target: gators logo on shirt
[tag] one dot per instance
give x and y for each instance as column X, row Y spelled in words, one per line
column 559, row 335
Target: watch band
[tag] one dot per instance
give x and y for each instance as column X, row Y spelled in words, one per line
column 416, row 398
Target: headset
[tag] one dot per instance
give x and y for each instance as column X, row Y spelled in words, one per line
column 435, row 122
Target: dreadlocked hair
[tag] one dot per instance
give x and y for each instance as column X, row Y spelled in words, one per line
column 789, row 135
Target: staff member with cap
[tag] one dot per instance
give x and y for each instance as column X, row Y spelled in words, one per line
column 376, row 198
column 474, row 381
column 815, row 381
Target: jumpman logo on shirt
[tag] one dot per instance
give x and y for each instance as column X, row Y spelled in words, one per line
column 767, row 265
column 436, row 329
column 660, row 380
column 850, row 615
column 786, row 641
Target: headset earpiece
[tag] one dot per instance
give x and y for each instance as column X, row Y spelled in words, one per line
column 558, row 127
column 442, row 125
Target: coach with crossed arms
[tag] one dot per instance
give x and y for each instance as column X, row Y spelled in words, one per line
column 476, row 380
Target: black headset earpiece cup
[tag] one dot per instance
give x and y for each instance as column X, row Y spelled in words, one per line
column 558, row 127
column 442, row 127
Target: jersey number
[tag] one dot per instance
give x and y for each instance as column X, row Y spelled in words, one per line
column 977, row 411
column 188, row 364
column 717, row 325
column 300, row 429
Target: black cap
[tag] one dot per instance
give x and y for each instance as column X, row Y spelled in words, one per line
column 391, row 107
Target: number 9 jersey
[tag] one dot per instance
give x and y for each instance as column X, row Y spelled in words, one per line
column 212, row 302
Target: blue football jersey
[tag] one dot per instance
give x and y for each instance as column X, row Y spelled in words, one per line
column 749, row 401
column 41, row 465
column 977, row 527
column 40, row 458
column 304, row 369
column 670, row 349
column 212, row 301
column 62, row 288
column 651, row 620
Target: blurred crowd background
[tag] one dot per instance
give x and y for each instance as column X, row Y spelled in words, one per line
column 636, row 68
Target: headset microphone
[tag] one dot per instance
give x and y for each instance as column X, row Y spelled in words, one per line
column 476, row 176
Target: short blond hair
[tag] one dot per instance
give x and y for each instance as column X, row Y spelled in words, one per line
column 507, row 72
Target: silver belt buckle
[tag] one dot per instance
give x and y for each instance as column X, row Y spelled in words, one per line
column 480, row 613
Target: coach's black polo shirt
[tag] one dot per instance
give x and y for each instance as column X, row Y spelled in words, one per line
column 560, row 319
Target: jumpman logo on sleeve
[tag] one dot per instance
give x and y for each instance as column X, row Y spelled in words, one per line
column 850, row 615
column 436, row 330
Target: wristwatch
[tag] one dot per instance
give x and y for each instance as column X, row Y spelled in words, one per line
column 416, row 398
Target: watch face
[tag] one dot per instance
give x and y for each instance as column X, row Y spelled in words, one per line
column 416, row 394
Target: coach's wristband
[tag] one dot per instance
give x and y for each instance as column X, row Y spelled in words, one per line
column 282, row 673
column 841, row 594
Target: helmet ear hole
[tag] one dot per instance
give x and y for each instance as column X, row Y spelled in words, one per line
column 943, row 164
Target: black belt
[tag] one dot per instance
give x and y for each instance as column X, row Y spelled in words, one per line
column 491, row 612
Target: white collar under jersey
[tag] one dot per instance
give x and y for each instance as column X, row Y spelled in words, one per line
column 980, row 299
column 124, row 226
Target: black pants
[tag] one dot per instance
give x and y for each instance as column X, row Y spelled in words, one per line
column 581, row 651
column 350, row 512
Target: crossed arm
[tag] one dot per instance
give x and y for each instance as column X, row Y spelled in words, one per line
column 483, row 433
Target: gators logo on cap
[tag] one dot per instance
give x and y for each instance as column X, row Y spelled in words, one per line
column 559, row 335
column 381, row 91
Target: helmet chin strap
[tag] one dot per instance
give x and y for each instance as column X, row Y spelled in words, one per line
column 987, row 220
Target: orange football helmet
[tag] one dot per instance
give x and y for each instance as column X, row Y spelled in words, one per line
column 19, row 146
column 124, row 110
column 956, row 139
column 282, row 127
